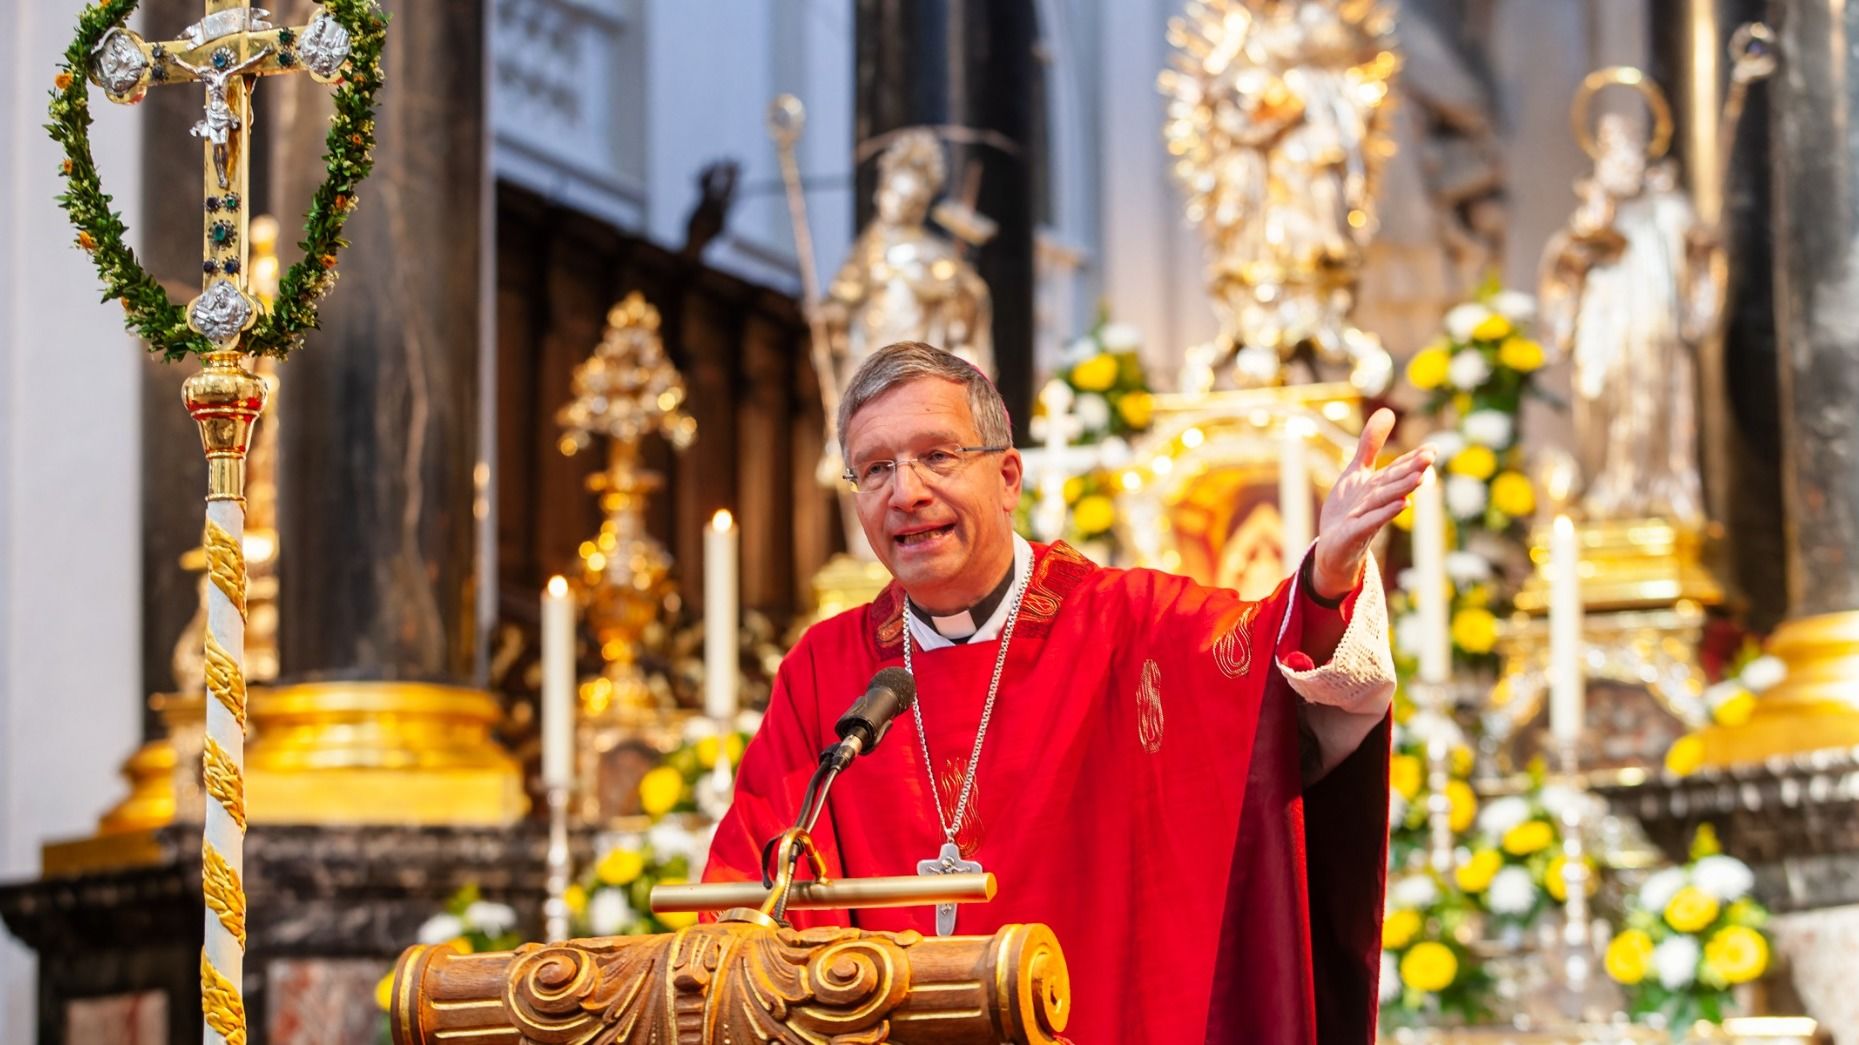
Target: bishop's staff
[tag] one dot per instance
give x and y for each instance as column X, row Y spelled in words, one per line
column 225, row 52
column 787, row 117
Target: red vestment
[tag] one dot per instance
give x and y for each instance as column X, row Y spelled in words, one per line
column 1139, row 791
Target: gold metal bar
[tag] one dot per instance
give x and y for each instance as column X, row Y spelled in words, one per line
column 899, row 891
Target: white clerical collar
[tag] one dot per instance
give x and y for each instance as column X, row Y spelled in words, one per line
column 928, row 638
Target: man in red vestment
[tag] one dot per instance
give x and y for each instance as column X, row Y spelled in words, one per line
column 1190, row 789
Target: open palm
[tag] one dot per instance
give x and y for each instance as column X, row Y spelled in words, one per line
column 1363, row 500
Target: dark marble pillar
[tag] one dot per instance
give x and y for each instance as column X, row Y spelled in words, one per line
column 383, row 461
column 971, row 64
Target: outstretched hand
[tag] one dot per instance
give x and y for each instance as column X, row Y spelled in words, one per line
column 1363, row 500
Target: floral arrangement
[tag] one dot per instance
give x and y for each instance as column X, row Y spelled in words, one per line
column 1110, row 401
column 686, row 780
column 469, row 924
column 1692, row 934
column 1409, row 828
column 1731, row 701
column 1514, row 868
column 1427, row 973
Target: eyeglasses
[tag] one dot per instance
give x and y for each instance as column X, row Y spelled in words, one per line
column 874, row 477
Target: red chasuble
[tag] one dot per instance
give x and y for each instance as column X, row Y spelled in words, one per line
column 1139, row 791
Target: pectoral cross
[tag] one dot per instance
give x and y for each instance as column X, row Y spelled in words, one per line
column 948, row 861
column 224, row 51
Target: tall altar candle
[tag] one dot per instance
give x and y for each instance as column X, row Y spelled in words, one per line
column 1294, row 489
column 720, row 618
column 1432, row 597
column 558, row 684
column 1566, row 682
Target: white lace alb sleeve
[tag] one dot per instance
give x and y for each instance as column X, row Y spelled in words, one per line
column 1347, row 696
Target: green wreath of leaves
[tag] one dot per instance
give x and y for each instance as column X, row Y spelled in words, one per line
column 347, row 160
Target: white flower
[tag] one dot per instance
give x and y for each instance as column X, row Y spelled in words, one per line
column 1078, row 351
column 1467, row 568
column 1676, row 959
column 1466, row 496
column 1763, row 673
column 1414, row 891
column 1397, row 808
column 1717, row 693
column 1724, row 877
column 1501, row 814
column 1461, row 321
column 1427, row 726
column 1558, row 799
column 748, row 720
column 669, row 839
column 1037, row 428
column 1120, row 337
column 1514, row 305
column 1092, row 410
column 440, row 928
column 1407, row 634
column 1113, row 452
column 1390, row 988
column 491, row 919
column 1490, row 428
column 608, row 913
column 1511, row 891
column 1660, row 887
column 1256, row 365
column 1446, row 444
column 1468, row 370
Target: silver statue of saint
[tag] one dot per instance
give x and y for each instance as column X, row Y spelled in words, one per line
column 947, row 861
column 1627, row 295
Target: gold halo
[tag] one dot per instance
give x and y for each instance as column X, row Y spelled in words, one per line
column 1621, row 76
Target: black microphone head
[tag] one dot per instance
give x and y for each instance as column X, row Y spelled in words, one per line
column 891, row 692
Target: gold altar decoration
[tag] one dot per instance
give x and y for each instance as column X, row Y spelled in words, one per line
column 1200, row 496
column 741, row 981
column 1277, row 122
column 1809, row 709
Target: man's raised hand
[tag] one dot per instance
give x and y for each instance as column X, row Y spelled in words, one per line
column 1363, row 500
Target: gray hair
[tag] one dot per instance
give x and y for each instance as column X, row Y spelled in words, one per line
column 907, row 361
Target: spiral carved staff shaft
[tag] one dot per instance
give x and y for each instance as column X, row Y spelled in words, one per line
column 225, row 400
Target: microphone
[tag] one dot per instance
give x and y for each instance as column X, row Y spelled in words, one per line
column 891, row 693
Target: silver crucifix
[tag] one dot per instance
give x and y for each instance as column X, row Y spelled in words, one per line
column 949, row 861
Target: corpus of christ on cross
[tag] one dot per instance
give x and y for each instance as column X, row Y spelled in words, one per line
column 223, row 52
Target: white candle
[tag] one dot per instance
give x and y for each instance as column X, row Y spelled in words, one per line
column 1432, row 598
column 1294, row 489
column 558, row 684
column 1566, row 681
column 720, row 621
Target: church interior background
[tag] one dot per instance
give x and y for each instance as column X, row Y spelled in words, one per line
column 614, row 257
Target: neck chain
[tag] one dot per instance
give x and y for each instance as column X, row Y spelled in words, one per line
column 949, row 828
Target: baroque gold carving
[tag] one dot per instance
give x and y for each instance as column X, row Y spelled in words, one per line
column 221, row 1004
column 226, row 564
column 741, row 982
column 225, row 894
column 224, row 679
column 224, row 782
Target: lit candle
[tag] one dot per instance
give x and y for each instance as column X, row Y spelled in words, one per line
column 1566, row 682
column 720, row 618
column 558, row 684
column 1431, row 600
column 1294, row 490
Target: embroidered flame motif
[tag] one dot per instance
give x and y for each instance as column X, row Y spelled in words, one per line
column 949, row 791
column 1149, row 708
column 1233, row 650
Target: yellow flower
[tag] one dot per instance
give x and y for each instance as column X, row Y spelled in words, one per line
column 1474, row 630
column 1512, row 494
column 1137, row 408
column 1736, row 710
column 1629, row 956
column 1531, row 836
column 1520, row 353
column 1074, row 489
column 1493, row 327
column 1476, row 461
column 707, row 748
column 733, row 747
column 458, row 944
column 1399, row 928
column 576, row 898
column 384, row 992
column 675, row 920
column 1558, row 886
column 1404, row 519
column 1404, row 775
column 1691, row 909
column 1738, row 955
column 1429, row 967
column 1684, row 756
column 1096, row 374
column 1094, row 514
column 1462, row 403
column 620, row 866
column 1427, row 370
column 1475, row 874
column 1464, row 805
column 1462, row 760
column 660, row 790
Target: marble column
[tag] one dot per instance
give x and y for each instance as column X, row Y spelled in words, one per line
column 384, row 477
column 972, row 64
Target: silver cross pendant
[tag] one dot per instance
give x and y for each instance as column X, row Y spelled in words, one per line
column 949, row 861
